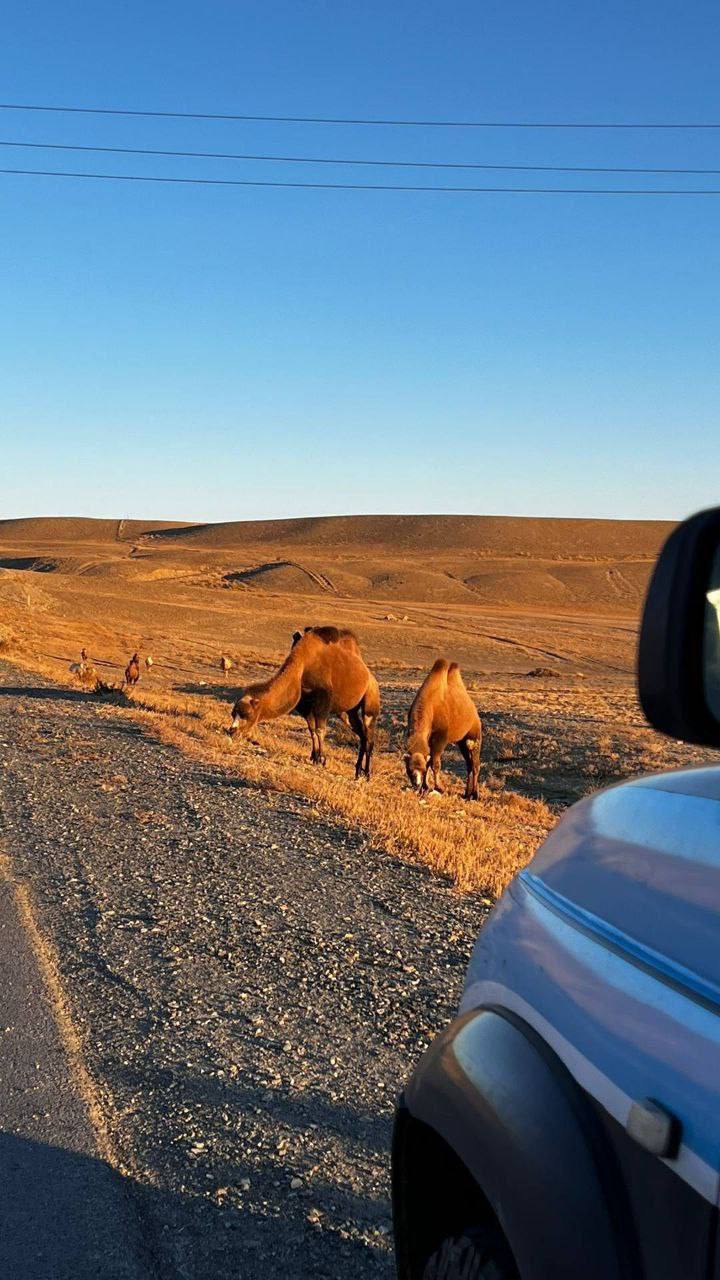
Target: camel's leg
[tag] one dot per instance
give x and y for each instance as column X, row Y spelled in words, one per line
column 357, row 724
column 369, row 722
column 438, row 742
column 321, row 712
column 474, row 745
column 310, row 722
column 320, row 731
column 470, row 749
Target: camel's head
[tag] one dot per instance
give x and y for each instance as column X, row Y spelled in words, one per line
column 245, row 712
column 416, row 767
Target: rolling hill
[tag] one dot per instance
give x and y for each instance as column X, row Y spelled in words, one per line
column 508, row 561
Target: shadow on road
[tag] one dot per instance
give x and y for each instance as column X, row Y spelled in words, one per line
column 327, row 1141
column 72, row 1217
column 66, row 1216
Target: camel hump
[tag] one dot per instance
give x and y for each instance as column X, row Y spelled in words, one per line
column 438, row 666
column 334, row 635
column 330, row 635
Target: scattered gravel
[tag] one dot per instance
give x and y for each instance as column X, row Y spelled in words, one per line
column 253, row 984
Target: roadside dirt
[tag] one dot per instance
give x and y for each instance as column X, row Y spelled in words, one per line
column 251, row 985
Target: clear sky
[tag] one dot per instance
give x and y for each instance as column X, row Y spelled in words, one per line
column 226, row 353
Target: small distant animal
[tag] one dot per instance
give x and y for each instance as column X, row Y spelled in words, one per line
column 442, row 711
column 323, row 674
column 132, row 671
column 149, row 661
column 78, row 668
column 84, row 670
column 226, row 664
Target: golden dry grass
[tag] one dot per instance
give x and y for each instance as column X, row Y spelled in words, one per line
column 478, row 845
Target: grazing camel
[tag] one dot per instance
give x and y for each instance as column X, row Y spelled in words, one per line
column 323, row 674
column 132, row 670
column 442, row 712
column 226, row 664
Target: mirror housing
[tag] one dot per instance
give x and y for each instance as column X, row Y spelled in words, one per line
column 671, row 653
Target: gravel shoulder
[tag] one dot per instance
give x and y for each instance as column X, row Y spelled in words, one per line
column 251, row 982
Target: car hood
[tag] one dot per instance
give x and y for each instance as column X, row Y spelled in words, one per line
column 640, row 863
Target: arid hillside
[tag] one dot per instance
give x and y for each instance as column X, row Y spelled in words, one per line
column 550, row 564
column 498, row 535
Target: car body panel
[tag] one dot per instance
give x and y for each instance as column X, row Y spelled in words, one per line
column 522, row 1129
column 605, row 949
column 644, row 857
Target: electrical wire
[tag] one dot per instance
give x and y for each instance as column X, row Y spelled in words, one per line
column 388, row 164
column 359, row 186
column 342, row 120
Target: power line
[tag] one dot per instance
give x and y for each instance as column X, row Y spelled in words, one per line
column 388, row 164
column 359, row 186
column 413, row 124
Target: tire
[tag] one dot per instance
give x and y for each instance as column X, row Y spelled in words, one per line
column 474, row 1255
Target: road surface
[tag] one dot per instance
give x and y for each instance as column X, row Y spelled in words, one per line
column 250, row 984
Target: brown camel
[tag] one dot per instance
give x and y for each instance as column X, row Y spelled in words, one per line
column 322, row 675
column 132, row 670
column 442, row 712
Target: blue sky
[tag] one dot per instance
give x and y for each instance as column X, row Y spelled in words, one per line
column 219, row 353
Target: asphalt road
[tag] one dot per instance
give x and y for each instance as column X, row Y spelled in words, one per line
column 64, row 1213
column 251, row 984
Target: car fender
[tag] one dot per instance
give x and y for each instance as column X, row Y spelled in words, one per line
column 518, row 1122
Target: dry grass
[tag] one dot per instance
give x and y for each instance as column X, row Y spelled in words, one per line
column 478, row 845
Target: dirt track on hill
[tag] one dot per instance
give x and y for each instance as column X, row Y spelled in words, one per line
column 251, row 984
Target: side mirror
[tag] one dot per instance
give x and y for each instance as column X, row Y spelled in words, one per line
column 679, row 651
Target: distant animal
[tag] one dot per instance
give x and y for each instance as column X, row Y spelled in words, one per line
column 84, row 670
column 442, row 711
column 226, row 664
column 149, row 661
column 132, row 671
column 323, row 674
column 78, row 668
